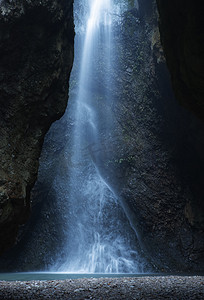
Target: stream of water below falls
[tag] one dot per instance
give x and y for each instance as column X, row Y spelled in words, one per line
column 99, row 238
column 28, row 276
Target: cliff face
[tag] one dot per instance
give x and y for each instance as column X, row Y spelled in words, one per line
column 36, row 54
column 181, row 27
column 156, row 166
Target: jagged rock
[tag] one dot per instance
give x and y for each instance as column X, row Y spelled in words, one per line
column 36, row 54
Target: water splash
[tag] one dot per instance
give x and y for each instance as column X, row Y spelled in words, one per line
column 99, row 236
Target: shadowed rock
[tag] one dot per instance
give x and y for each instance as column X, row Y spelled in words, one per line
column 36, row 54
column 181, row 27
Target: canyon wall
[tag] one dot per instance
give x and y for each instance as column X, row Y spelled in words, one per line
column 36, row 55
column 181, row 27
column 156, row 164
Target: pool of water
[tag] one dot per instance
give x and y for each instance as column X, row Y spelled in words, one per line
column 27, row 276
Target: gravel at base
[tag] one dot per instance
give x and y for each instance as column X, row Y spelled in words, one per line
column 161, row 287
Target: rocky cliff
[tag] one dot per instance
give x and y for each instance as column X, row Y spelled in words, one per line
column 159, row 159
column 181, row 27
column 36, row 54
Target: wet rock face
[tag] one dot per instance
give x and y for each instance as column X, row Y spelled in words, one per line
column 36, row 53
column 157, row 165
column 154, row 158
column 181, row 27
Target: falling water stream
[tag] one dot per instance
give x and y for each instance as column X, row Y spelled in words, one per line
column 99, row 238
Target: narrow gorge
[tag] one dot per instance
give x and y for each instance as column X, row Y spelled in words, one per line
column 119, row 184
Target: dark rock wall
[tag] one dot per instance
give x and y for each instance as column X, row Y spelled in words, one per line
column 181, row 27
column 156, row 164
column 36, row 54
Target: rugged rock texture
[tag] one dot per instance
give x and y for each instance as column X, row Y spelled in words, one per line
column 181, row 27
column 159, row 160
column 36, row 54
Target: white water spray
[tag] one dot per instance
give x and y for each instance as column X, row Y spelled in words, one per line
column 99, row 236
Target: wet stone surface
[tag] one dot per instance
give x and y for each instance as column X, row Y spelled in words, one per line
column 158, row 287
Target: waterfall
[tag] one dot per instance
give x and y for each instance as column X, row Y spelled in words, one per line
column 99, row 237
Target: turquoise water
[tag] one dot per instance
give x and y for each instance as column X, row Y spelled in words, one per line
column 27, row 276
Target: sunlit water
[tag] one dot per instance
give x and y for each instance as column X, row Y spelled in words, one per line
column 99, row 238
